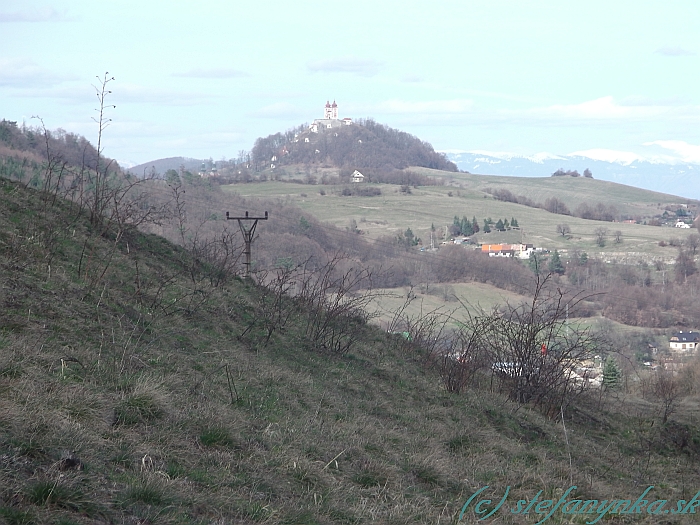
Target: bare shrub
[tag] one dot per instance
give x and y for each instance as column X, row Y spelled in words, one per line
column 668, row 390
column 535, row 352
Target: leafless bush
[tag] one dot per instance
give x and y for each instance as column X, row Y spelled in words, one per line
column 332, row 300
column 535, row 352
column 466, row 354
column 274, row 300
column 668, row 390
column 426, row 332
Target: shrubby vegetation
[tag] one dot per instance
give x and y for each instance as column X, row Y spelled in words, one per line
column 597, row 212
column 572, row 173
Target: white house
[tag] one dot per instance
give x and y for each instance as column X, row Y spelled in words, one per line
column 684, row 342
column 357, row 176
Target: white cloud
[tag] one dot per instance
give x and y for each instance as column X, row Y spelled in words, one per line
column 212, row 73
column 604, row 108
column 364, row 67
column 412, row 78
column 24, row 72
column 42, row 14
column 430, row 107
column 639, row 100
column 280, row 110
column 138, row 94
column 674, row 51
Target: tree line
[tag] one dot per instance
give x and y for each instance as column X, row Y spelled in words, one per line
column 597, row 212
column 572, row 173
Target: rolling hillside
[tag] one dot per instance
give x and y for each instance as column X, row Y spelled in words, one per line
column 392, row 210
column 678, row 178
column 136, row 387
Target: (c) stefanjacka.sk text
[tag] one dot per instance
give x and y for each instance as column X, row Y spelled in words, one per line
column 569, row 504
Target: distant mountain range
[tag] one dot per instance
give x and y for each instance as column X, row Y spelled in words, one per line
column 682, row 180
column 677, row 179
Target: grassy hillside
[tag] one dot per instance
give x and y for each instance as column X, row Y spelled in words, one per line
column 134, row 389
column 393, row 211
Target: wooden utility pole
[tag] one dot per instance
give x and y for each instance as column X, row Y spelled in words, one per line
column 248, row 233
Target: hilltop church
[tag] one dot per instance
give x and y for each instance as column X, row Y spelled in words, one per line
column 330, row 119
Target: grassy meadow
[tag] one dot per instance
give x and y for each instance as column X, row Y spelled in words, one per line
column 465, row 195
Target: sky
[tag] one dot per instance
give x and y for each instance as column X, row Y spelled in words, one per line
column 611, row 79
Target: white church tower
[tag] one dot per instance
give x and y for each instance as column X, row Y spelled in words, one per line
column 330, row 111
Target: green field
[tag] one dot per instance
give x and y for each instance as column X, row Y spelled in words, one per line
column 475, row 297
column 393, row 211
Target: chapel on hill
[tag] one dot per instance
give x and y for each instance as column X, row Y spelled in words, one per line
column 330, row 119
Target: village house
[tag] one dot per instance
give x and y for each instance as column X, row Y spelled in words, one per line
column 357, row 176
column 498, row 250
column 684, row 342
column 521, row 251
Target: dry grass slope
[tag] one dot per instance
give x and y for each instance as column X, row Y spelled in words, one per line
column 125, row 402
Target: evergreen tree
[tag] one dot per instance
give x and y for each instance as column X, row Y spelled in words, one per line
column 506, row 224
column 487, row 228
column 407, row 239
column 535, row 263
column 467, row 227
column 514, row 223
column 172, row 177
column 500, row 226
column 612, row 376
column 555, row 264
column 475, row 225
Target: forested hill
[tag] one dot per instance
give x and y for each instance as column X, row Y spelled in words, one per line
column 24, row 148
column 364, row 144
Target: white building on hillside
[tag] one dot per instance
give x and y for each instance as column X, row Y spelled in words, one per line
column 357, row 176
column 330, row 119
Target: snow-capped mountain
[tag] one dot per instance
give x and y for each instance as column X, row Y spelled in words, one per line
column 682, row 179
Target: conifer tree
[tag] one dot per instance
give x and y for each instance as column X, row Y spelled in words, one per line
column 555, row 264
column 612, row 376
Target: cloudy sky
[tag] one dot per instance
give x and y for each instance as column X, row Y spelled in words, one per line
column 614, row 78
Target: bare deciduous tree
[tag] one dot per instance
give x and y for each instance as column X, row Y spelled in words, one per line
column 563, row 229
column 667, row 389
column 693, row 243
column 601, row 234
